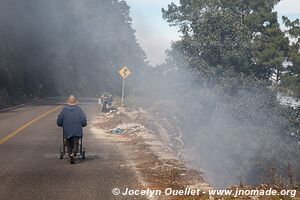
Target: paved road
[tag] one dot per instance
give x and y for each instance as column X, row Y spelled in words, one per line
column 29, row 164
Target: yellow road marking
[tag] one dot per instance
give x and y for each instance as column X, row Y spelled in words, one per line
column 12, row 134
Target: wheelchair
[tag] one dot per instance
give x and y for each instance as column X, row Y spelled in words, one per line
column 81, row 149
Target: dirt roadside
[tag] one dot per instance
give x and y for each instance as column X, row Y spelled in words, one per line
column 150, row 154
column 156, row 165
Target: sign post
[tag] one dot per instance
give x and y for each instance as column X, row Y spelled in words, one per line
column 124, row 72
column 123, row 90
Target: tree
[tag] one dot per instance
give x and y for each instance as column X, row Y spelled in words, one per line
column 229, row 34
column 270, row 52
column 291, row 79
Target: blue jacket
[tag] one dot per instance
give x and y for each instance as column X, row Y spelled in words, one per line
column 72, row 119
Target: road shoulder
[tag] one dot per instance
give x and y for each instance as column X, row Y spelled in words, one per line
column 156, row 166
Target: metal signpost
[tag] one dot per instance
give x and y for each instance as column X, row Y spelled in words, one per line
column 124, row 72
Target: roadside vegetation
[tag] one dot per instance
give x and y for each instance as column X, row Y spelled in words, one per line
column 219, row 85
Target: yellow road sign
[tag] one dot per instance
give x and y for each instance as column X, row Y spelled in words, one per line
column 124, row 72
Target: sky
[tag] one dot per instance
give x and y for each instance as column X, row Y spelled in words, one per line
column 155, row 35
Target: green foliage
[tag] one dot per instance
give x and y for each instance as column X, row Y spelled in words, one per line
column 243, row 36
column 221, row 38
column 291, row 85
column 270, row 51
column 291, row 79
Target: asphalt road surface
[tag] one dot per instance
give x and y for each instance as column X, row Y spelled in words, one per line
column 30, row 167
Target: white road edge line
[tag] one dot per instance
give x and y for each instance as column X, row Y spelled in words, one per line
column 24, row 104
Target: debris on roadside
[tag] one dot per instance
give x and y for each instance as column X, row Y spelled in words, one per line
column 149, row 147
column 127, row 129
column 117, row 131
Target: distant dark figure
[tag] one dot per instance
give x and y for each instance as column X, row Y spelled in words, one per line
column 72, row 119
column 105, row 100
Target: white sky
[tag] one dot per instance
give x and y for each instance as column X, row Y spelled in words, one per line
column 155, row 35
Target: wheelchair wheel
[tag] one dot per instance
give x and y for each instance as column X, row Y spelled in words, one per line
column 61, row 154
column 83, row 154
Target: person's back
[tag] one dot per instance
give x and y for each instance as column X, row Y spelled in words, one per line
column 72, row 119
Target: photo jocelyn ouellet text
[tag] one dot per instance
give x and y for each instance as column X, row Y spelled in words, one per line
column 196, row 192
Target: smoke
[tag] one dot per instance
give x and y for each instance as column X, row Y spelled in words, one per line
column 232, row 138
column 61, row 47
column 77, row 46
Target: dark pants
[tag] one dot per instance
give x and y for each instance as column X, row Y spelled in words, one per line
column 72, row 145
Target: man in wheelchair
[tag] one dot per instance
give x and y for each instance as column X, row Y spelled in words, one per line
column 72, row 119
